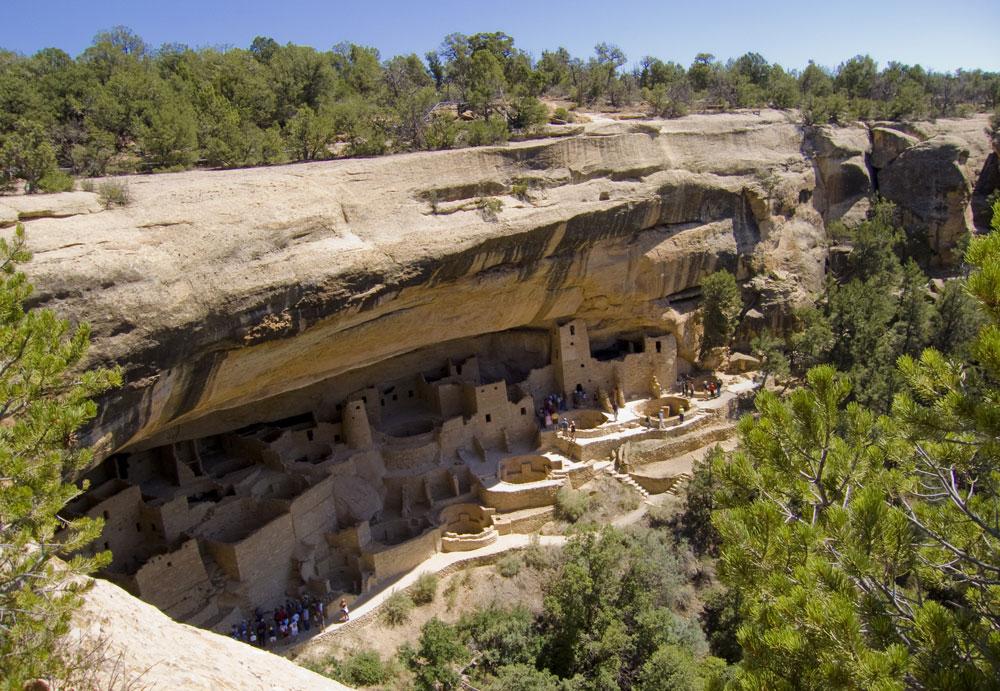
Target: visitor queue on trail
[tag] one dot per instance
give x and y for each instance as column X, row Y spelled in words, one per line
column 286, row 623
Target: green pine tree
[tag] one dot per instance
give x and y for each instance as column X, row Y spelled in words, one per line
column 949, row 452
column 865, row 550
column 44, row 400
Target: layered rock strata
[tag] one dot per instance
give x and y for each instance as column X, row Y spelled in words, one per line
column 218, row 290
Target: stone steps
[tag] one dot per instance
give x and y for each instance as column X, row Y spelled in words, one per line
column 679, row 483
column 626, row 480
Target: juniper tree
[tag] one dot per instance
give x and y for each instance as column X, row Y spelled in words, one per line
column 26, row 154
column 956, row 319
column 44, row 400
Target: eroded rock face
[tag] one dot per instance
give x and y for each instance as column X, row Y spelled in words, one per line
column 224, row 293
column 928, row 184
column 888, row 144
column 938, row 175
column 844, row 179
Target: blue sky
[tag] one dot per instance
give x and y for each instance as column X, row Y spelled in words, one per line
column 943, row 35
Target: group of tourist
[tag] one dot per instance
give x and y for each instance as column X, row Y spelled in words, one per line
column 685, row 382
column 290, row 619
column 549, row 413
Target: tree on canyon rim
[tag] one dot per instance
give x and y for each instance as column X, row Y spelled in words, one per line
column 44, row 401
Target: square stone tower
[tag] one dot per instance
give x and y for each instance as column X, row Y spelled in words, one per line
column 571, row 356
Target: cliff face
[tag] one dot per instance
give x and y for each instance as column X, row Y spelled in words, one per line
column 227, row 294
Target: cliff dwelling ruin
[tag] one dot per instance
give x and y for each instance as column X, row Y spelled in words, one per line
column 351, row 382
column 378, row 475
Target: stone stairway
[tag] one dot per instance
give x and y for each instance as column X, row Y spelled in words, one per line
column 626, row 480
column 677, row 488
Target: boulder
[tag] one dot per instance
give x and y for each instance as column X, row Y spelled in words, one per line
column 887, row 144
column 741, row 362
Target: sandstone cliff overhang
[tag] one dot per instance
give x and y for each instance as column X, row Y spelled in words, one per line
column 219, row 290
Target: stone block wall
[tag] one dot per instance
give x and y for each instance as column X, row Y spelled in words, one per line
column 411, row 456
column 524, row 497
column 524, row 522
column 171, row 518
column 263, row 560
column 391, row 561
column 313, row 512
column 176, row 581
column 124, row 532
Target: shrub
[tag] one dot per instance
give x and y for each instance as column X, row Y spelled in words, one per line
column 489, row 207
column 396, row 609
column 484, row 132
column 661, row 515
column 509, row 566
column 523, row 677
column 361, row 668
column 87, row 185
column 613, row 498
column 442, row 132
column 535, row 556
column 529, row 114
column 55, row 181
column 562, row 115
column 440, row 651
column 571, row 504
column 451, row 594
column 501, row 637
column 364, row 668
column 519, row 190
column 425, row 589
column 114, row 193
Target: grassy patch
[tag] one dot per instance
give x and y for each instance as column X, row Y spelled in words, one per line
column 396, row 609
column 114, row 193
column 509, row 566
column 424, row 589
